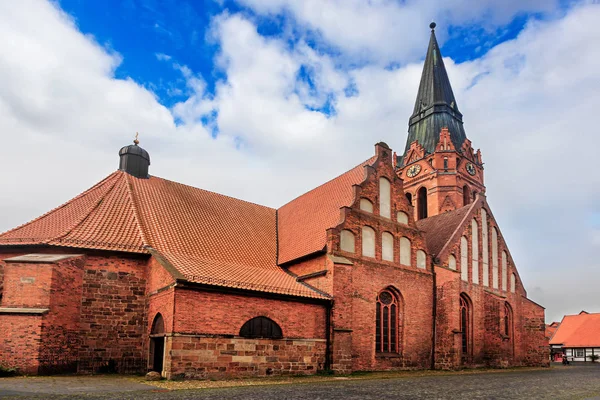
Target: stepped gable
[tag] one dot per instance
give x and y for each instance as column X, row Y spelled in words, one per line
column 582, row 330
column 303, row 222
column 207, row 237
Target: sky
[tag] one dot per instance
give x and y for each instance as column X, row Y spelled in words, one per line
column 264, row 100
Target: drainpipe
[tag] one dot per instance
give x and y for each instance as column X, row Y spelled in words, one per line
column 434, row 315
column 328, row 309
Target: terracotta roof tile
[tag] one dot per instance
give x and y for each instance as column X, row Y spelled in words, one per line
column 63, row 220
column 581, row 330
column 550, row 329
column 209, row 238
column 440, row 228
column 303, row 222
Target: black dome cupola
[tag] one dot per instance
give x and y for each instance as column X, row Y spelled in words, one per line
column 134, row 160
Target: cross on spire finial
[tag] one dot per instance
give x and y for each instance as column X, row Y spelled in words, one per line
column 136, row 141
column 432, row 25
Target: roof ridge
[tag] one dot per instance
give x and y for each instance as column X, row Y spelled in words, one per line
column 87, row 214
column 80, row 195
column 136, row 214
column 461, row 224
column 364, row 164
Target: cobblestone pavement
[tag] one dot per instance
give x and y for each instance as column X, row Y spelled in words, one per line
column 574, row 382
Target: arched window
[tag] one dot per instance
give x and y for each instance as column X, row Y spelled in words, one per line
column 494, row 258
column 366, row 205
column 261, row 327
column 452, row 262
column 475, row 251
column 402, row 218
column 504, row 271
column 422, row 202
column 387, row 246
column 409, row 198
column 384, row 198
column 464, row 259
column 485, row 256
column 508, row 320
column 405, row 255
column 347, row 241
column 513, row 282
column 421, row 259
column 466, row 195
column 466, row 324
column 368, row 242
column 386, row 322
column 445, row 163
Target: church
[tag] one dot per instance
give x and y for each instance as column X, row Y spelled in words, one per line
column 397, row 263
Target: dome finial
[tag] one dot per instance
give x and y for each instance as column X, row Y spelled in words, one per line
column 136, row 141
column 432, row 25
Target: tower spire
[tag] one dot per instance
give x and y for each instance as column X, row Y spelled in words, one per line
column 435, row 106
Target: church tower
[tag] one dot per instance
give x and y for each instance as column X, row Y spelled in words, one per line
column 440, row 169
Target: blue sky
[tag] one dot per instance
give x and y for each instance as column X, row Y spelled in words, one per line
column 139, row 30
column 264, row 100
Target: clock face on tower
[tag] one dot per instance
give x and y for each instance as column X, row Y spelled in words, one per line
column 470, row 169
column 413, row 170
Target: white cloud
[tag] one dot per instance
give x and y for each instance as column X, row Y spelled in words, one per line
column 162, row 57
column 390, row 30
column 529, row 104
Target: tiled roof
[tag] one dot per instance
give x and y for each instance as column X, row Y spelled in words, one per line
column 581, row 330
column 550, row 329
column 303, row 221
column 99, row 218
column 209, row 238
column 440, row 228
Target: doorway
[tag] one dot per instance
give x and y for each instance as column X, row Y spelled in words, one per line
column 157, row 353
column 157, row 345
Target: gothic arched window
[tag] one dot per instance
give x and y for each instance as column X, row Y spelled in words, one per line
column 366, row 205
column 474, row 251
column 368, row 242
column 464, row 259
column 386, row 320
column 466, row 323
column 158, row 325
column 508, row 320
column 405, row 256
column 466, row 195
column 385, row 191
column 387, row 246
column 513, row 282
column 261, row 327
column 422, row 202
column 409, row 198
column 347, row 241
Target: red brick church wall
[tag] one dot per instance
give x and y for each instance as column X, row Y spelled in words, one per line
column 206, row 341
column 113, row 314
column 96, row 318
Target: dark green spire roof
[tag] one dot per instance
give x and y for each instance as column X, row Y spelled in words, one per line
column 435, row 107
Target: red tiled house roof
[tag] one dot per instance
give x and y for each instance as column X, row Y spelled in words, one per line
column 209, row 238
column 551, row 328
column 303, row 222
column 581, row 330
